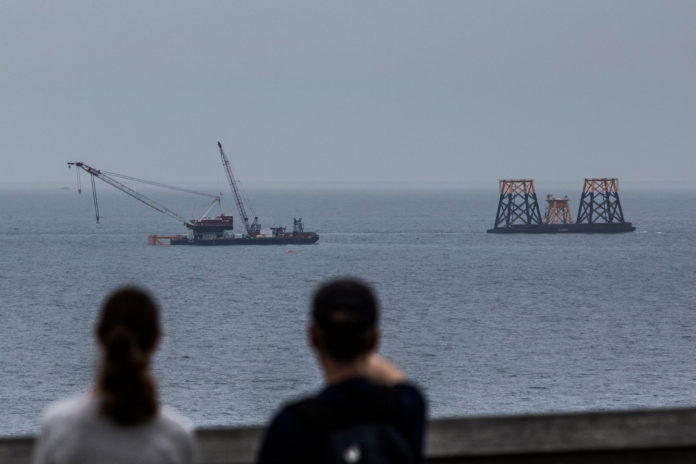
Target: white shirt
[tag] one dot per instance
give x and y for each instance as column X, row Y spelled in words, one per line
column 73, row 431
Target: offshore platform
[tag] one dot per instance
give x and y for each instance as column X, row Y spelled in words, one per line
column 599, row 211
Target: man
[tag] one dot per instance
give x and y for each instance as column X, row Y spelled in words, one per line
column 366, row 412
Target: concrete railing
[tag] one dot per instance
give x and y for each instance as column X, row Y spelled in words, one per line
column 644, row 436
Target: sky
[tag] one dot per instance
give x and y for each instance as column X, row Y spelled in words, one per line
column 368, row 93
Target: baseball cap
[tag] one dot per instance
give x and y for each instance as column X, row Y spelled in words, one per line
column 345, row 305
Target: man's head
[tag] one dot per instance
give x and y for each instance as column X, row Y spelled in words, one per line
column 344, row 320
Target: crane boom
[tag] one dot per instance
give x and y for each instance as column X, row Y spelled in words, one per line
column 125, row 189
column 253, row 228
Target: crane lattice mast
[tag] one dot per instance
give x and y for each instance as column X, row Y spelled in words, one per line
column 253, row 228
column 125, row 189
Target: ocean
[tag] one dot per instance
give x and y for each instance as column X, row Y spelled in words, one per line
column 484, row 323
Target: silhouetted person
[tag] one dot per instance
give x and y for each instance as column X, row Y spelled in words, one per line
column 120, row 421
column 366, row 412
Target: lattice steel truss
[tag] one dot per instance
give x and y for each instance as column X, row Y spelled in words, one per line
column 557, row 211
column 518, row 203
column 600, row 202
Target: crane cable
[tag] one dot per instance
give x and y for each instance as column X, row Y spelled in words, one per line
column 79, row 183
column 94, row 195
column 247, row 202
column 158, row 184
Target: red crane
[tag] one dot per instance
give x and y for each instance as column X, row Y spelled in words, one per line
column 254, row 228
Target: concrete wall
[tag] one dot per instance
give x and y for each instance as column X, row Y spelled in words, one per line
column 646, row 436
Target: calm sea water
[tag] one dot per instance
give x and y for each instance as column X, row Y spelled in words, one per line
column 486, row 324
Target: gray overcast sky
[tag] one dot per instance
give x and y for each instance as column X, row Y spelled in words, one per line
column 435, row 92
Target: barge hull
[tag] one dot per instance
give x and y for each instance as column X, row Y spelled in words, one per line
column 247, row 241
column 599, row 228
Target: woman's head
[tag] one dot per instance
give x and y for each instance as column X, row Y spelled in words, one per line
column 133, row 309
column 128, row 331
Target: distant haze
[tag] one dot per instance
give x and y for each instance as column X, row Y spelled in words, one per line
column 436, row 93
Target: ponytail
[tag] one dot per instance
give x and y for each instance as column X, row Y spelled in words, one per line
column 128, row 331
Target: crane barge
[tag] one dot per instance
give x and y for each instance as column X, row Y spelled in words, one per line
column 204, row 230
column 253, row 236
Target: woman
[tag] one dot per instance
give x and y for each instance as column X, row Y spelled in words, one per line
column 120, row 421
